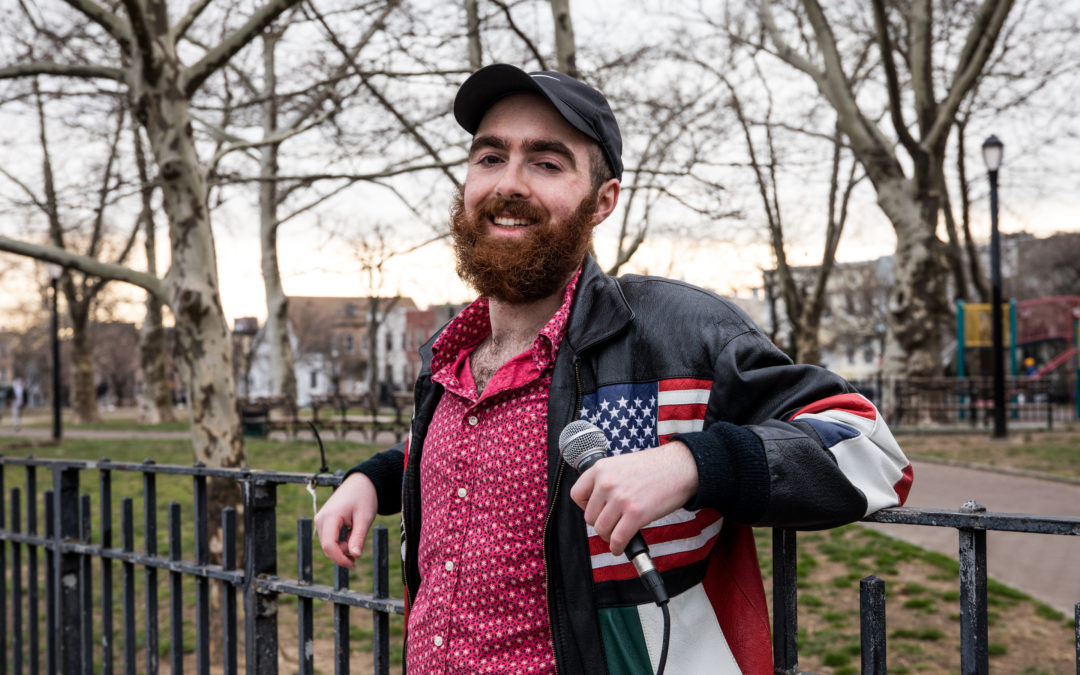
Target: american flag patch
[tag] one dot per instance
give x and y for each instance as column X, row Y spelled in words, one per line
column 639, row 416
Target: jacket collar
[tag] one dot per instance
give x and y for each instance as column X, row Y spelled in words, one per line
column 600, row 310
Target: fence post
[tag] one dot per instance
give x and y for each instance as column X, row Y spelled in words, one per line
column 260, row 559
column 380, row 587
column 150, row 590
column 872, row 625
column 785, row 602
column 974, row 636
column 66, row 581
column 32, row 567
column 3, row 583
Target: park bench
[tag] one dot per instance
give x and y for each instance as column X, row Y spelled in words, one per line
column 344, row 413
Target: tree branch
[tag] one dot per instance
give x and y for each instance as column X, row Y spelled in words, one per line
column 63, row 69
column 977, row 50
column 896, row 111
column 84, row 264
column 189, row 18
column 405, row 123
column 220, row 55
column 517, row 31
column 112, row 23
column 141, row 31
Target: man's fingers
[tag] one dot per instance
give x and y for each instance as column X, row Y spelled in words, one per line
column 330, row 541
column 356, row 541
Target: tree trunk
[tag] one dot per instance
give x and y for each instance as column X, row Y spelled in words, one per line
column 282, row 372
column 565, row 47
column 807, row 340
column 917, row 304
column 472, row 30
column 155, row 398
column 203, row 344
column 82, row 361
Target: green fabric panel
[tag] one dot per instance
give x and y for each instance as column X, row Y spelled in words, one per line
column 624, row 643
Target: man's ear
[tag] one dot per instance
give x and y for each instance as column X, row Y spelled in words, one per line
column 607, row 197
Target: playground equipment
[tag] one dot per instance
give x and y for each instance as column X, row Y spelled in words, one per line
column 1051, row 321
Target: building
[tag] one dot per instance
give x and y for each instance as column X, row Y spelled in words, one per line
column 333, row 346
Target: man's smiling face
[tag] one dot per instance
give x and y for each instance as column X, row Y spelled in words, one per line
column 524, row 220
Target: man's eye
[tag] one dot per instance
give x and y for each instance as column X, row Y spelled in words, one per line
column 488, row 159
column 549, row 166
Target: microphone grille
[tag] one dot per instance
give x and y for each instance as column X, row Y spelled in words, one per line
column 581, row 438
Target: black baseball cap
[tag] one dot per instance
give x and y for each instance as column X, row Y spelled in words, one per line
column 583, row 107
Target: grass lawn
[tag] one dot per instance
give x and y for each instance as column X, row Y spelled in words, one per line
column 1052, row 452
column 922, row 588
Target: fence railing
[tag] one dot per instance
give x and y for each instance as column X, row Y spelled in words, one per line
column 964, row 401
column 71, row 553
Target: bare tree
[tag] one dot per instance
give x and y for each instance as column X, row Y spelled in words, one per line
column 918, row 304
column 144, row 64
column 70, row 226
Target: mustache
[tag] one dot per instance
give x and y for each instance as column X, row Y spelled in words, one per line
column 498, row 206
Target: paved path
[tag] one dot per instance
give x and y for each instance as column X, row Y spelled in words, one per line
column 1045, row 566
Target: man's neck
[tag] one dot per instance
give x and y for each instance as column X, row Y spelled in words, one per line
column 518, row 322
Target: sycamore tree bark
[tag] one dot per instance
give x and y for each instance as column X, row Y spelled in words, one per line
column 919, row 308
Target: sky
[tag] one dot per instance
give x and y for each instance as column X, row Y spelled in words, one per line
column 1038, row 195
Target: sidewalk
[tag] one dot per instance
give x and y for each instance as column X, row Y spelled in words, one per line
column 1045, row 566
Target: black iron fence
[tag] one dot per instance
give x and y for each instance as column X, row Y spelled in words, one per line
column 71, row 553
column 961, row 402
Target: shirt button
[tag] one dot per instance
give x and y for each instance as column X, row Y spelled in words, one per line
column 461, row 492
column 449, row 565
column 438, row 641
column 473, row 420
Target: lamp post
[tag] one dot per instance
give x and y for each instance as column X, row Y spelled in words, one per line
column 55, row 271
column 993, row 150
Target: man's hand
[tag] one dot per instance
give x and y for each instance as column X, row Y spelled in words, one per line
column 622, row 494
column 352, row 505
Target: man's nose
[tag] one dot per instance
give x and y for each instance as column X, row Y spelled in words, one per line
column 512, row 183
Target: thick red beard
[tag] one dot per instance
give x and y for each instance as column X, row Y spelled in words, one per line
column 520, row 269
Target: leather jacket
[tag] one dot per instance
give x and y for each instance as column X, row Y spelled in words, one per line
column 776, row 444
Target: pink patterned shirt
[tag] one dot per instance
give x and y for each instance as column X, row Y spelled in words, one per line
column 482, row 604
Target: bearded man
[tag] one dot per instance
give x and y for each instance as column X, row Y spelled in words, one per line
column 512, row 561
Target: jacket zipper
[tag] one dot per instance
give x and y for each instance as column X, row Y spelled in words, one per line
column 547, row 519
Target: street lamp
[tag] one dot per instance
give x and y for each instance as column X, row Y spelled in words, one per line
column 993, row 150
column 55, row 271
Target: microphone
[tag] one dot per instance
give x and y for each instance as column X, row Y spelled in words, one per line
column 582, row 444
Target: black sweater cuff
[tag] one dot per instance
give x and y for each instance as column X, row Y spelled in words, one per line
column 386, row 470
column 733, row 475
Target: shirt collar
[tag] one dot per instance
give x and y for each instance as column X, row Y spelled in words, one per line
column 473, row 324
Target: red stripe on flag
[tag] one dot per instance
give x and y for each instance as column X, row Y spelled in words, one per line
column 856, row 404
column 683, row 383
column 663, row 563
column 690, row 411
column 655, row 535
column 903, row 486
